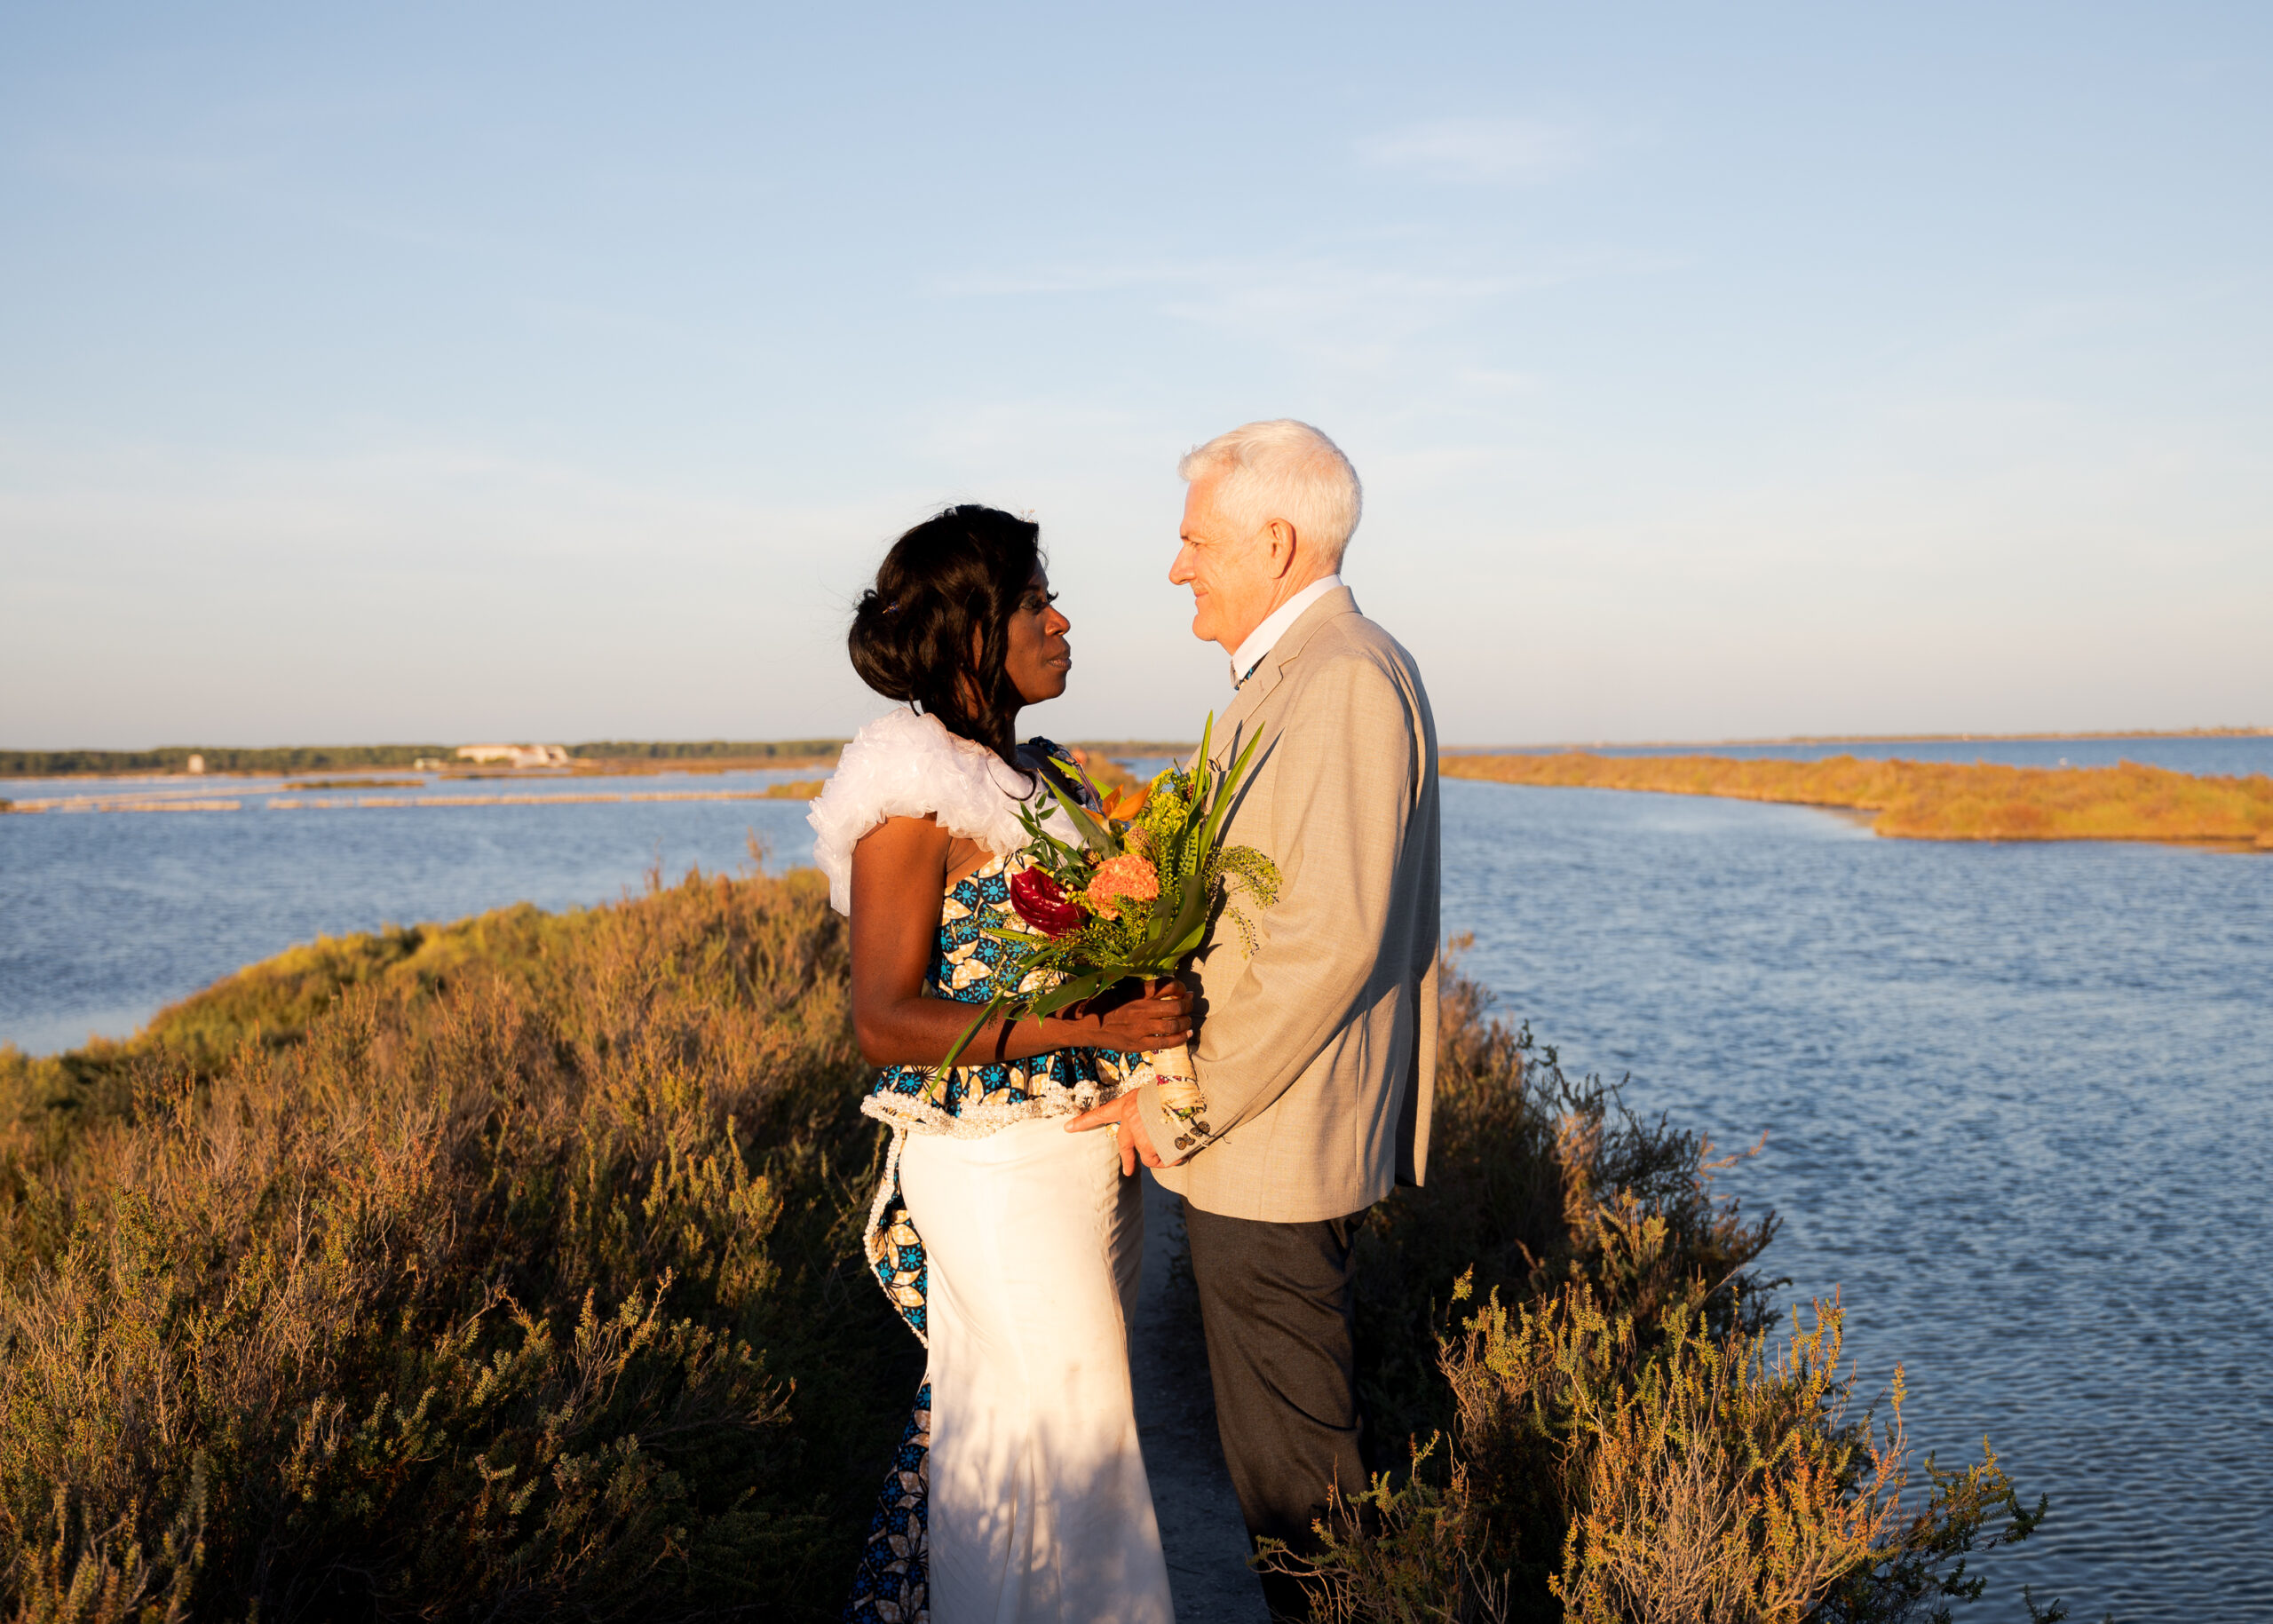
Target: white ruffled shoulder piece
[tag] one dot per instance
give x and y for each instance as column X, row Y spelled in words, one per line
column 906, row 764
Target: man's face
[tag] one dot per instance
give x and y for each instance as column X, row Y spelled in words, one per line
column 1229, row 574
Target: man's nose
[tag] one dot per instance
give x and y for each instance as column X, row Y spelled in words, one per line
column 1180, row 570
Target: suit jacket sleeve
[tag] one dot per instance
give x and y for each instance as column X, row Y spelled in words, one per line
column 1342, row 802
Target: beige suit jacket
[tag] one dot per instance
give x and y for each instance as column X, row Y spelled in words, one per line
column 1317, row 1056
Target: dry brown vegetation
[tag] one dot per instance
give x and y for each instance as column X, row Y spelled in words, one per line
column 1933, row 800
column 509, row 1269
column 505, row 1269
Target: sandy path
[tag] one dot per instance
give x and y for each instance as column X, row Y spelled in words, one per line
column 1176, row 1419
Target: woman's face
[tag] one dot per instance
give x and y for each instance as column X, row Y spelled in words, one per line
column 1039, row 657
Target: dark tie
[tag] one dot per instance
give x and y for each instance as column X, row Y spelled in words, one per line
column 1238, row 681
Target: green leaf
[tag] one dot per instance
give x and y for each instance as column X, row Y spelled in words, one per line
column 1073, row 990
column 1221, row 803
column 992, row 1007
column 1099, row 838
column 1043, row 837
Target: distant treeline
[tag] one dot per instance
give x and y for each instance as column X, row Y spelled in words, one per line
column 219, row 758
column 331, row 758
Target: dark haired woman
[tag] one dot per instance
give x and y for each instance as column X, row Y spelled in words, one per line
column 1009, row 1245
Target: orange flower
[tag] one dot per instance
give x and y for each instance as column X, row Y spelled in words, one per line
column 1116, row 877
column 1127, row 804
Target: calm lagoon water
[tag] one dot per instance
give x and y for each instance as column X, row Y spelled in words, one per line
column 105, row 916
column 2018, row 1100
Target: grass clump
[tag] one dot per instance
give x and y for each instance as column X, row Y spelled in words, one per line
column 1934, row 800
column 517, row 1282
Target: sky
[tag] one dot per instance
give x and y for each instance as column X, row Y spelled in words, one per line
column 562, row 373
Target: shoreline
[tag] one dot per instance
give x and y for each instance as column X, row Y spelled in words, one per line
column 1812, row 739
column 284, row 800
column 1949, row 801
column 757, row 757
column 354, row 777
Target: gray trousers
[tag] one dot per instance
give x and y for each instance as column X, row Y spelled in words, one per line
column 1275, row 1303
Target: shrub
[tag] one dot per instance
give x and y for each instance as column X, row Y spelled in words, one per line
column 509, row 1269
column 521, row 1285
column 1617, row 1433
column 1537, row 1179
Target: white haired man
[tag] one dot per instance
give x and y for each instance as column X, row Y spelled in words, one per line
column 1317, row 1055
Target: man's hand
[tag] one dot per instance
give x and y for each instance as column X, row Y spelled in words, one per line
column 1136, row 1145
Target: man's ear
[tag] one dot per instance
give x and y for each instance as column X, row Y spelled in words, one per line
column 1282, row 542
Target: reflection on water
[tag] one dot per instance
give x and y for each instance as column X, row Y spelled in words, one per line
column 2020, row 1108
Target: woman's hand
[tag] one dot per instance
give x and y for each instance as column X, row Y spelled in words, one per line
column 1159, row 1017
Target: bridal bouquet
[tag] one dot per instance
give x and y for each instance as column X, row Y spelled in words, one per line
column 1129, row 898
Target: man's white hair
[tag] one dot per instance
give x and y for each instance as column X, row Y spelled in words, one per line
column 1282, row 470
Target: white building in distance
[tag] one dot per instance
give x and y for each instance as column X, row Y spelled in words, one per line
column 516, row 755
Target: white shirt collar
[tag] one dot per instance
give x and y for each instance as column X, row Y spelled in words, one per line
column 1261, row 640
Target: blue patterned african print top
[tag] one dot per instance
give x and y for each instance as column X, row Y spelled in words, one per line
column 968, row 966
column 972, row 1100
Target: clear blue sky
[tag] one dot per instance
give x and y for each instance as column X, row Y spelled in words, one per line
column 560, row 373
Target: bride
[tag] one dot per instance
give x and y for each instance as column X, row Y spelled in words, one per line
column 1009, row 1245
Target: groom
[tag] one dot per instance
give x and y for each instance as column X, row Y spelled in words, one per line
column 1317, row 1055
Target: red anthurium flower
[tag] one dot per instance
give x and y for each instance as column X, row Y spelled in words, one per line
column 1042, row 903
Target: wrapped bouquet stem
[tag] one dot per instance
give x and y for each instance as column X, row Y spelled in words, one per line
column 1129, row 898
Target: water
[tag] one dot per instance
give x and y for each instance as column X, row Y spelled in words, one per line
column 105, row 917
column 2019, row 1101
column 2017, row 1095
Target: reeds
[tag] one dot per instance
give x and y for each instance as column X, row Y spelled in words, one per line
column 1932, row 800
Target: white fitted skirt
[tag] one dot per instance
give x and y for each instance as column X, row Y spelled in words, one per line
column 1040, row 1510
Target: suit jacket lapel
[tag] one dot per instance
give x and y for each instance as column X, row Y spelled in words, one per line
column 1283, row 653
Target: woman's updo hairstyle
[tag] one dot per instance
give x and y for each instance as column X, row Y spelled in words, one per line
column 934, row 630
